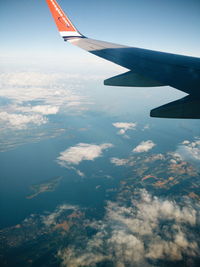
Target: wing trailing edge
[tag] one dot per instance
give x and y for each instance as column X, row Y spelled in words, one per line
column 184, row 108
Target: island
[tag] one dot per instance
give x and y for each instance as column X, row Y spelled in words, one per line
column 48, row 186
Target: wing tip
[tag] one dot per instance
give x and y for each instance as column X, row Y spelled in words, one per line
column 65, row 27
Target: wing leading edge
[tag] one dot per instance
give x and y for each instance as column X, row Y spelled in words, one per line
column 147, row 67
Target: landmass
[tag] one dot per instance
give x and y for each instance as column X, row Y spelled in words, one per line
column 48, row 186
column 41, row 236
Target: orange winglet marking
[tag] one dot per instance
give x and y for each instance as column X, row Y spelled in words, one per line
column 61, row 20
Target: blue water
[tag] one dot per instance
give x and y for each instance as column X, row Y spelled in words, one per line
column 34, row 163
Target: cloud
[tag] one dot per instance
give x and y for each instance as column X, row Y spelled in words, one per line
column 53, row 90
column 124, row 126
column 146, row 127
column 20, row 121
column 38, row 79
column 190, row 150
column 144, row 146
column 127, row 248
column 79, row 172
column 29, row 98
column 71, row 258
column 50, row 88
column 176, row 158
column 42, row 109
column 131, row 160
column 119, row 162
column 28, row 79
column 155, row 157
column 150, row 229
column 51, row 219
column 82, row 151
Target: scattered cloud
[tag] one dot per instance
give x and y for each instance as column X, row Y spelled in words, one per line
column 80, row 173
column 51, row 219
column 20, row 121
column 155, row 157
column 150, row 229
column 146, row 127
column 71, row 258
column 176, row 158
column 124, row 126
column 119, row 162
column 144, row 146
column 82, row 151
column 190, row 150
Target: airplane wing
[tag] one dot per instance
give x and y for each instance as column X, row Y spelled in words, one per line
column 147, row 68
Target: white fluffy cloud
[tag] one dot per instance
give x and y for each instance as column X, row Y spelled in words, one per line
column 124, row 126
column 150, row 229
column 127, row 248
column 82, row 151
column 144, row 146
column 190, row 150
column 20, row 121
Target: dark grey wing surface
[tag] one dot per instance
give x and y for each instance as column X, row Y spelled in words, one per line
column 180, row 72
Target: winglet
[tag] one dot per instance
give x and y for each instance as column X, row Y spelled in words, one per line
column 64, row 25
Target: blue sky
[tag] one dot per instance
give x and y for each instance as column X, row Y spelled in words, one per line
column 28, row 32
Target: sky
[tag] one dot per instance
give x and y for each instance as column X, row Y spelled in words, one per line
column 28, row 33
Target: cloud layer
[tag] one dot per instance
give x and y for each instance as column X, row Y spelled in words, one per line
column 20, row 121
column 32, row 96
column 41, row 109
column 144, row 146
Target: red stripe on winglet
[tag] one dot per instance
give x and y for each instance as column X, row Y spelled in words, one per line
column 61, row 20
